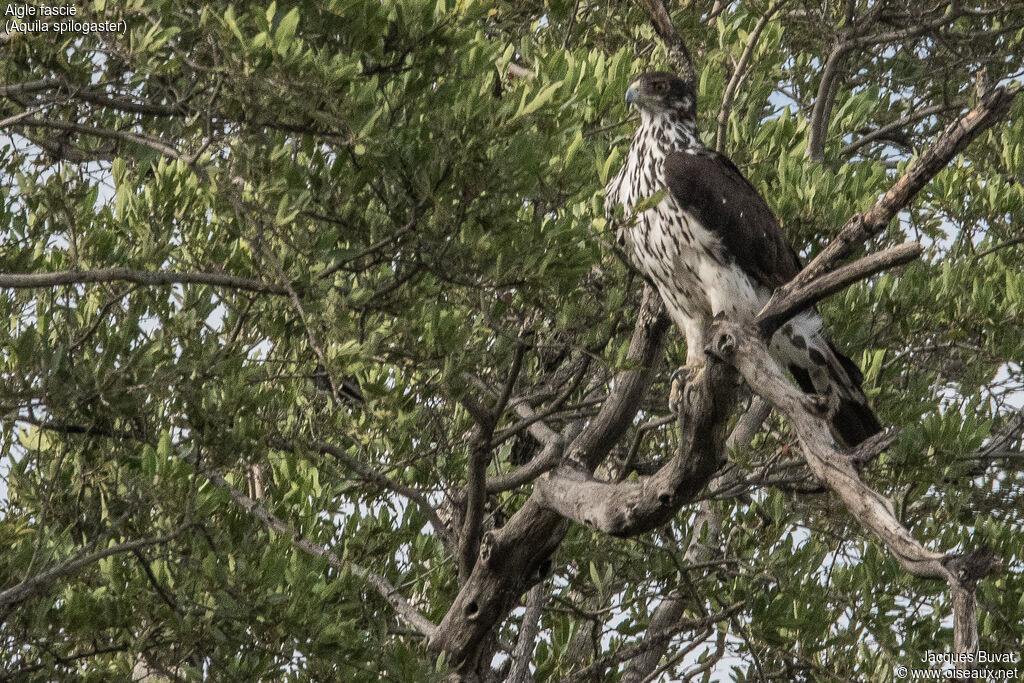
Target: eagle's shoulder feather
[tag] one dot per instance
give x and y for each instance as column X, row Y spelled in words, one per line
column 710, row 187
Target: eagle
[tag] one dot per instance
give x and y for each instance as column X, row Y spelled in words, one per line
column 708, row 242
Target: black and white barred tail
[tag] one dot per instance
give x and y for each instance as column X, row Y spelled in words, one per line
column 821, row 369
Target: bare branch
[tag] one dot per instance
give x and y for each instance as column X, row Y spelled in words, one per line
column 776, row 312
column 742, row 348
column 106, row 133
column 823, row 101
column 527, row 640
column 28, row 87
column 899, row 124
column 548, row 459
column 73, row 277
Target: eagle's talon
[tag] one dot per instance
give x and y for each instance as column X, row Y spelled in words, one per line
column 677, row 383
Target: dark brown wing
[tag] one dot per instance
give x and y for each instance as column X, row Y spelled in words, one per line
column 714, row 191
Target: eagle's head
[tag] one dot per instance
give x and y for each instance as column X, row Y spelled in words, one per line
column 660, row 92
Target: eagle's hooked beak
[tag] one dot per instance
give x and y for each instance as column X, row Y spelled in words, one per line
column 632, row 95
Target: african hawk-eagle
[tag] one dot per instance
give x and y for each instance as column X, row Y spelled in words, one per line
column 712, row 245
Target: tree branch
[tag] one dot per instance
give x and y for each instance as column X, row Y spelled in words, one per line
column 106, row 133
column 678, row 54
column 548, row 459
column 898, row 124
column 517, row 555
column 73, row 277
column 632, row 507
column 739, row 73
column 739, row 346
column 823, row 101
column 34, row 584
column 527, row 640
column 775, row 313
column 404, row 609
column 28, row 87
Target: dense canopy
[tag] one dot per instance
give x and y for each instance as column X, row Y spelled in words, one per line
column 298, row 302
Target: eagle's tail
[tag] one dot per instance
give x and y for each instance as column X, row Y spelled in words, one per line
column 820, row 369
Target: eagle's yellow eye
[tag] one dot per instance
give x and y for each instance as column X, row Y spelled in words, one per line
column 660, row 86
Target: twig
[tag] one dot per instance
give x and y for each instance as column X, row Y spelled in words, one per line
column 882, row 131
column 739, row 72
column 38, row 582
column 106, row 133
column 369, row 474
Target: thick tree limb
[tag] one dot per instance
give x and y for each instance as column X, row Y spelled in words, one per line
column 476, row 472
column 476, row 498
column 863, row 226
column 74, row 277
column 517, row 555
column 629, row 508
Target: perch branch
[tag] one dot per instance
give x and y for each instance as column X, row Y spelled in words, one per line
column 741, row 347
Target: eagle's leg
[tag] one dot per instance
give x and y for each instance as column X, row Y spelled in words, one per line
column 696, row 360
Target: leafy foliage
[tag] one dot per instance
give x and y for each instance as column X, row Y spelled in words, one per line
column 415, row 187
